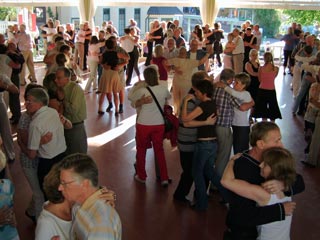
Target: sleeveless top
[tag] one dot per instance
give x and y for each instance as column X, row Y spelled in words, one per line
column 267, row 80
column 279, row 230
column 162, row 71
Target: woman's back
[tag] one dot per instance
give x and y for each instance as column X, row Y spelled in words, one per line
column 267, row 75
column 279, row 230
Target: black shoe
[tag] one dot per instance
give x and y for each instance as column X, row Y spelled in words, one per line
column 33, row 218
column 98, row 92
column 109, row 107
column 116, row 114
column 121, row 108
column 100, row 112
column 11, row 160
column 128, row 84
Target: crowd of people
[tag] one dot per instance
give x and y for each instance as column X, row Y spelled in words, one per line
column 214, row 116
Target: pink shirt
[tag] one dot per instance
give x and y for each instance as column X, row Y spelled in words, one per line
column 267, row 80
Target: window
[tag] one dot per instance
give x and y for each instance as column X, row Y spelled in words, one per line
column 122, row 21
column 106, row 14
column 137, row 16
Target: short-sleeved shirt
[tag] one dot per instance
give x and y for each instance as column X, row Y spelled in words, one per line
column 149, row 113
column 225, row 104
column 43, row 121
column 208, row 108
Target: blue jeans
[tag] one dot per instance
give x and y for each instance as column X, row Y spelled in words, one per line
column 202, row 170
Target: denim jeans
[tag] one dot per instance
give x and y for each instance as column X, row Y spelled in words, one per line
column 202, row 169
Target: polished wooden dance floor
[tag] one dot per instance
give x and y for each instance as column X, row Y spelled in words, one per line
column 149, row 212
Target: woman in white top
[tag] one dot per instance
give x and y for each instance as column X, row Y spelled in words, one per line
column 277, row 163
column 150, row 124
column 50, row 31
column 93, row 61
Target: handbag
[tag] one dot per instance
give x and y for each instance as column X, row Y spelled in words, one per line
column 168, row 125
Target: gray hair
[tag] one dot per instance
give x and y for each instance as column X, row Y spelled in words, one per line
column 40, row 95
column 82, row 165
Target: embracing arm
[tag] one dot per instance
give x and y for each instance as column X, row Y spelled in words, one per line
column 211, row 120
column 249, row 69
column 243, row 188
column 192, row 115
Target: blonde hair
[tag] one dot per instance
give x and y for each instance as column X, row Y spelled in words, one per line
column 268, row 58
column 252, row 52
column 158, row 50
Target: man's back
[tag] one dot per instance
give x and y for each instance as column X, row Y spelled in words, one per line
column 43, row 121
column 95, row 219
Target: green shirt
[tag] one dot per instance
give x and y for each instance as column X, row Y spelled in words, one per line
column 74, row 103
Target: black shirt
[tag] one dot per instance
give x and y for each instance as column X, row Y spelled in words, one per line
column 208, row 108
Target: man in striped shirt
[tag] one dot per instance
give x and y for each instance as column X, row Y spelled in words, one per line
column 92, row 217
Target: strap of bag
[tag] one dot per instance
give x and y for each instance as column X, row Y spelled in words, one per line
column 155, row 99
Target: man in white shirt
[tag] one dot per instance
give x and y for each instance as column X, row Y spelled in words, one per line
column 44, row 120
column 238, row 52
column 25, row 44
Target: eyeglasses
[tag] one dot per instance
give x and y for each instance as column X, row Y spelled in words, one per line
column 64, row 184
column 29, row 101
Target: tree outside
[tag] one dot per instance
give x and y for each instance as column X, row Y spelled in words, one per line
column 8, row 14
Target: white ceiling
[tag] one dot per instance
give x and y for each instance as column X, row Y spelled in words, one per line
column 268, row 4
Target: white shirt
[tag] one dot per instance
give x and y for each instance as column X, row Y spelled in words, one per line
column 24, row 41
column 80, row 38
column 150, row 114
column 239, row 45
column 43, row 121
column 49, row 225
column 194, row 57
column 4, row 67
column 127, row 43
column 240, row 118
column 279, row 230
column 49, row 31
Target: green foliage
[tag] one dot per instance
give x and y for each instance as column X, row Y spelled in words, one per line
column 49, row 10
column 304, row 17
column 269, row 20
column 8, row 14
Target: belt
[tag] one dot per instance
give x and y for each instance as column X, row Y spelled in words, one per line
column 77, row 123
column 211, row 140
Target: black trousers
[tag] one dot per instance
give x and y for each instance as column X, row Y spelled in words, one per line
column 133, row 64
column 14, row 98
column 45, row 166
column 85, row 55
column 186, row 178
column 149, row 56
